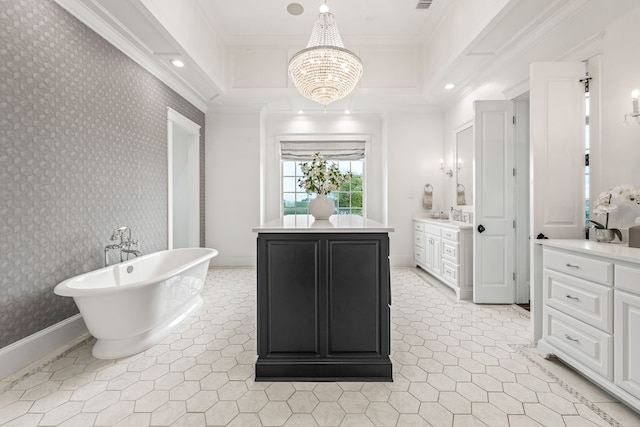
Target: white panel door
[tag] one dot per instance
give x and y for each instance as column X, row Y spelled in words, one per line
column 494, row 186
column 557, row 123
column 557, row 145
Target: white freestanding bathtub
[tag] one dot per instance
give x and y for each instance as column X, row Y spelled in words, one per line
column 133, row 305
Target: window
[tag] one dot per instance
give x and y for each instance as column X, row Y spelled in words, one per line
column 349, row 199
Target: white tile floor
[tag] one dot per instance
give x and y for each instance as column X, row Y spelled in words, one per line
column 455, row 364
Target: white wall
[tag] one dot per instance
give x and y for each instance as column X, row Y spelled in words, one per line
column 413, row 159
column 232, row 186
column 347, row 126
column 615, row 158
column 243, row 173
column 454, row 117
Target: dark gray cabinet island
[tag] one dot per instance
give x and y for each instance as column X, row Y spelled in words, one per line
column 323, row 300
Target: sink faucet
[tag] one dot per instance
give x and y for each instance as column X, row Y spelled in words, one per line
column 456, row 214
column 126, row 245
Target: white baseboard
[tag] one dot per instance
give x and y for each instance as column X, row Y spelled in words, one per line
column 402, row 261
column 234, row 261
column 25, row 352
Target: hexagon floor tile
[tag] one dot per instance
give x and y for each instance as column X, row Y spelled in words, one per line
column 454, row 364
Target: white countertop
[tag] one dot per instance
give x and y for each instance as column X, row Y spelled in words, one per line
column 445, row 222
column 335, row 224
column 616, row 250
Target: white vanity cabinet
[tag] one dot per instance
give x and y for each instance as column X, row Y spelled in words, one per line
column 433, row 260
column 445, row 250
column 626, row 323
column 591, row 312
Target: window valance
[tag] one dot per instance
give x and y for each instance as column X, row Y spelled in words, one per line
column 330, row 150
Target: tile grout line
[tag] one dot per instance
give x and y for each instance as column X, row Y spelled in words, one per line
column 520, row 349
column 36, row 367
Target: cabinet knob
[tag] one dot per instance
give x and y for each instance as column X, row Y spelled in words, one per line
column 481, row 228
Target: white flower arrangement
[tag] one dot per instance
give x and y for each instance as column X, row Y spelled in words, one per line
column 609, row 201
column 320, row 178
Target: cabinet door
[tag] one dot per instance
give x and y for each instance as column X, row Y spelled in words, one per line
column 288, row 296
column 358, row 299
column 627, row 342
column 437, row 255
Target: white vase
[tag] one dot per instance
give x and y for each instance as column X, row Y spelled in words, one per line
column 604, row 235
column 321, row 207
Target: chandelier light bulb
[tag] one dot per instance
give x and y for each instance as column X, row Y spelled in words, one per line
column 635, row 94
column 324, row 8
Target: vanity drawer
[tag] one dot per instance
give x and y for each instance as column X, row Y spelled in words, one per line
column 628, row 278
column 582, row 342
column 419, row 254
column 586, row 301
column 579, row 266
column 418, row 239
column 450, row 272
column 451, row 251
column 418, row 226
column 450, row 234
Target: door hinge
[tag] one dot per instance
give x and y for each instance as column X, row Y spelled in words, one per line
column 514, row 223
column 513, row 119
column 514, row 276
column 514, row 171
column 586, row 82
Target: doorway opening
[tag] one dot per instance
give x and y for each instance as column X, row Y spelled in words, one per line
column 183, row 153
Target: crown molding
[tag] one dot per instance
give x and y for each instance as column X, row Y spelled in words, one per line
column 108, row 27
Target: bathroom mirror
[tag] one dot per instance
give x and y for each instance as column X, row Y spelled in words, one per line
column 464, row 166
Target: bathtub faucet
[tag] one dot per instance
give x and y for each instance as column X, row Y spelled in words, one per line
column 126, row 245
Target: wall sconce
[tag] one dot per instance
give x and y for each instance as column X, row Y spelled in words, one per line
column 447, row 172
column 636, row 111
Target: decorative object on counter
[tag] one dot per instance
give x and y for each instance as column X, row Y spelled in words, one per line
column 460, row 199
column 321, row 179
column 427, row 198
column 607, row 202
column 634, row 235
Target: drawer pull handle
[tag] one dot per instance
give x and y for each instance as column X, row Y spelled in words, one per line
column 572, row 297
column 572, row 266
column 570, row 338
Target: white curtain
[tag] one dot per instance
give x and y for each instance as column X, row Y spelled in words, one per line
column 330, row 150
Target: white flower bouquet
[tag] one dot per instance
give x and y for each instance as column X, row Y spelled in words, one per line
column 321, row 178
column 609, row 201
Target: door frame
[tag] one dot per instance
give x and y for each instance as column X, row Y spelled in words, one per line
column 175, row 119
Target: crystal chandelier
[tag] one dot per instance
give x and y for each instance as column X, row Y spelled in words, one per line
column 325, row 71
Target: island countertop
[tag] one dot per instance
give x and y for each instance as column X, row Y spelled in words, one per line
column 335, row 224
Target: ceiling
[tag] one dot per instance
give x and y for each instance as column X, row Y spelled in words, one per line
column 236, row 52
column 268, row 20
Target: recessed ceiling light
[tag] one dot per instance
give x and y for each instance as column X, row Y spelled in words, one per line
column 449, row 86
column 300, row 112
column 295, row 9
column 347, row 112
column 177, row 63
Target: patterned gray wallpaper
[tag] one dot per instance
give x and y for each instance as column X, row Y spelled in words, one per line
column 83, row 139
